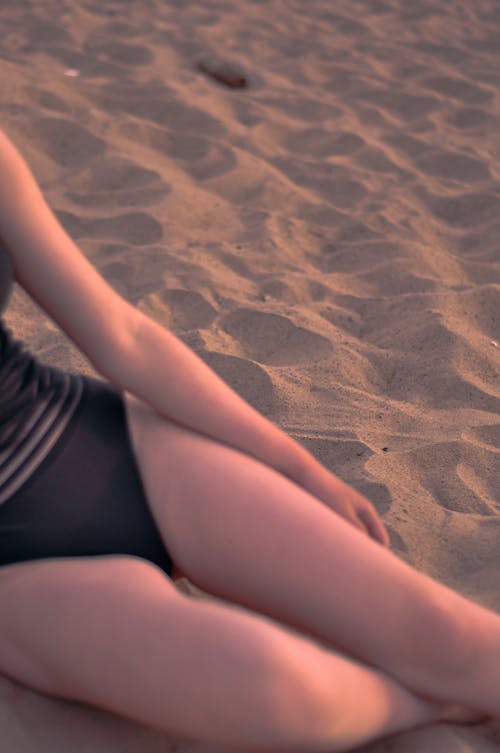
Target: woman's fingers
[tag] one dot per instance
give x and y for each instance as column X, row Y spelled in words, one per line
column 373, row 525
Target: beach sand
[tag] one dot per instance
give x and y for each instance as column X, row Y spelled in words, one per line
column 325, row 237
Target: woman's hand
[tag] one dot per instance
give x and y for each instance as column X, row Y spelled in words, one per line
column 354, row 507
column 342, row 499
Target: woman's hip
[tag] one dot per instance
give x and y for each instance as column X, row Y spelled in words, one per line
column 86, row 497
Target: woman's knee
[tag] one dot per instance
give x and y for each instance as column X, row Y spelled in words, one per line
column 444, row 632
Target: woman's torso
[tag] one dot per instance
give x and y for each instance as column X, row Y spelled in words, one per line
column 36, row 401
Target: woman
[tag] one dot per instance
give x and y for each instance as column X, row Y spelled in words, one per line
column 160, row 469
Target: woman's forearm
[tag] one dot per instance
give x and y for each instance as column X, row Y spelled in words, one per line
column 165, row 373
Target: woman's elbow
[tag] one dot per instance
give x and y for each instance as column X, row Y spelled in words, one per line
column 115, row 353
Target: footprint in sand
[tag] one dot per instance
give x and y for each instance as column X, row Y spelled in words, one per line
column 448, row 53
column 471, row 475
column 375, row 159
column 68, row 143
column 394, row 279
column 44, row 35
column 125, row 54
column 443, row 163
column 46, row 99
column 437, row 162
column 347, row 458
column 457, row 88
column 403, row 142
column 133, row 228
column 320, row 214
column 202, row 158
column 356, row 258
column 484, row 435
column 320, row 143
column 478, row 308
column 479, row 249
column 248, row 379
column 397, row 541
column 406, row 107
column 410, row 377
column 329, row 181
column 467, row 210
column 274, row 339
column 469, row 118
column 189, row 309
column 337, row 454
column 302, row 108
column 356, row 231
column 156, row 103
column 115, row 181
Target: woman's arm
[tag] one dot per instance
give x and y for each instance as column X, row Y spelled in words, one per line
column 51, row 267
column 124, row 345
column 139, row 355
column 162, row 371
column 165, row 373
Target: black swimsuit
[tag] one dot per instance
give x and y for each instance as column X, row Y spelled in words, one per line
column 69, row 482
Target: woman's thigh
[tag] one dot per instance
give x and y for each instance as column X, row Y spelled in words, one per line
column 247, row 534
column 53, row 610
column 114, row 632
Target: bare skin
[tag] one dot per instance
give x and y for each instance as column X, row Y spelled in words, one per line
column 319, row 644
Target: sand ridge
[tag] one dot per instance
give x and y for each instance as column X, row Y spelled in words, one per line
column 325, row 238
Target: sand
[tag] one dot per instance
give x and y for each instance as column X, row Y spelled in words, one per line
column 326, row 238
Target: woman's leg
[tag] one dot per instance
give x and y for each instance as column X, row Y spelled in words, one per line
column 115, row 633
column 248, row 535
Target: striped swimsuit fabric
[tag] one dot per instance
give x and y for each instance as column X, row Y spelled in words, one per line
column 36, row 401
column 36, row 405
